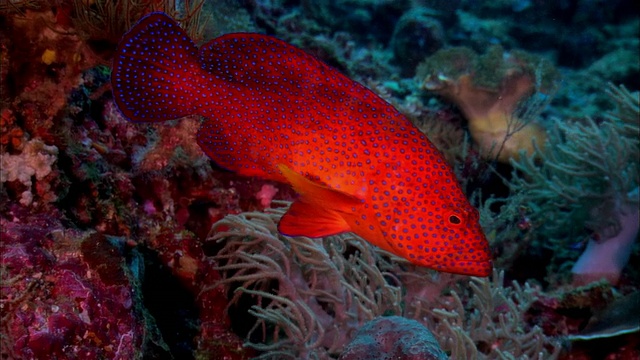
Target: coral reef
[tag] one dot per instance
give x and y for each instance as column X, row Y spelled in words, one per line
column 490, row 324
column 35, row 161
column 63, row 290
column 106, row 222
column 356, row 16
column 311, row 295
column 71, row 162
column 588, row 175
column 416, row 35
column 308, row 297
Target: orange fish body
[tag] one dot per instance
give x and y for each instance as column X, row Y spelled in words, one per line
column 273, row 111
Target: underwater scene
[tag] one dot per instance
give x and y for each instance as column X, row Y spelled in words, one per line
column 319, row 179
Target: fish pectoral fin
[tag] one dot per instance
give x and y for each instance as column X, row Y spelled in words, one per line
column 319, row 212
column 304, row 219
column 323, row 211
column 322, row 196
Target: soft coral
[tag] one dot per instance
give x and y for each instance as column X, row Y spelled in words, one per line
column 490, row 90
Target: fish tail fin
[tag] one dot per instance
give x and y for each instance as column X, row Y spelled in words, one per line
column 156, row 74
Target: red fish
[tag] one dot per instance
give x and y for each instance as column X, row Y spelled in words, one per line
column 271, row 110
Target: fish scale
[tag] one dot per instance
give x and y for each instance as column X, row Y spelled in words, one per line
column 271, row 110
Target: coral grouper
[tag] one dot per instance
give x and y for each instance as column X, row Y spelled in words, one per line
column 273, row 111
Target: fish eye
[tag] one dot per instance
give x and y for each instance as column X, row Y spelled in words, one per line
column 455, row 220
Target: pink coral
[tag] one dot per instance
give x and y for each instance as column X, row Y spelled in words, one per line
column 266, row 194
column 606, row 258
column 33, row 163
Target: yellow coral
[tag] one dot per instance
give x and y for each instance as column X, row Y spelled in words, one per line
column 493, row 125
column 49, row 56
column 491, row 90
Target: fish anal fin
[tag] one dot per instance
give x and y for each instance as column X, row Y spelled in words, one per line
column 304, row 219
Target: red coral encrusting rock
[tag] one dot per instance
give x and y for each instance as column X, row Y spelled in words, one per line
column 65, row 293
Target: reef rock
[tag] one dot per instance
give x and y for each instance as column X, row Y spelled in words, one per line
column 393, row 337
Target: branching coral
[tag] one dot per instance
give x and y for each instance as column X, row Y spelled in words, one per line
column 499, row 93
column 17, row 6
column 489, row 325
column 587, row 178
column 310, row 295
column 108, row 20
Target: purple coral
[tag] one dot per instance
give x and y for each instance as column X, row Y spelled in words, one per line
column 605, row 259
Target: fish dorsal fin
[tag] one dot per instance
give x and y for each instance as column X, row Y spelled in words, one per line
column 155, row 71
